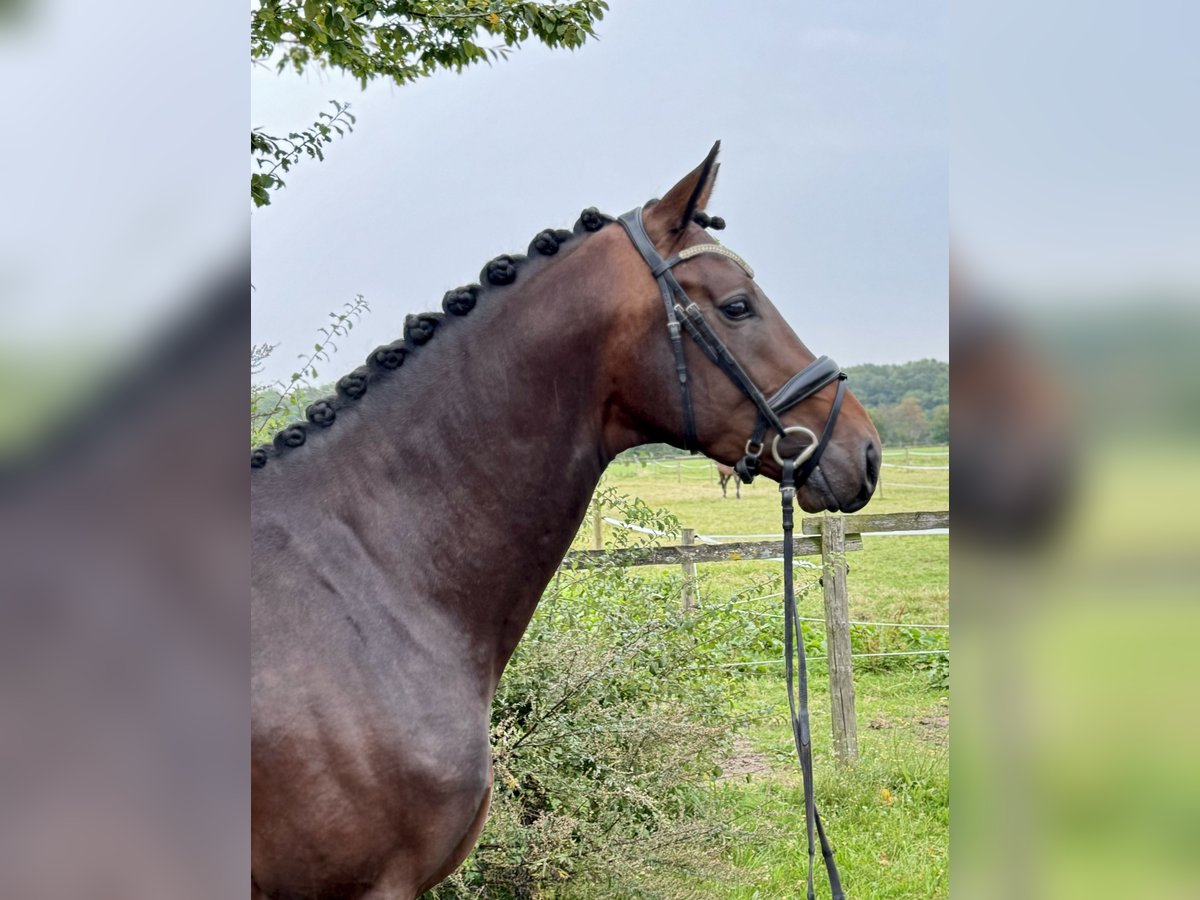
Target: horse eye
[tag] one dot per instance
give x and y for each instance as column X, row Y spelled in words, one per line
column 737, row 309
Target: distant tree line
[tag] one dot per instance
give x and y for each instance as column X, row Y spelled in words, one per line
column 909, row 402
column 907, row 423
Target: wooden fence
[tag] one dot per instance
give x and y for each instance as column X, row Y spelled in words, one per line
column 829, row 536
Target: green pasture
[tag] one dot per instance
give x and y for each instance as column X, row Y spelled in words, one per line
column 889, row 815
column 901, row 578
column 687, row 487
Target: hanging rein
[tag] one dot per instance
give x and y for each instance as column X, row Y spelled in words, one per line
column 683, row 314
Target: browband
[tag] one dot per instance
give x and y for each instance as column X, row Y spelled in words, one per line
column 696, row 250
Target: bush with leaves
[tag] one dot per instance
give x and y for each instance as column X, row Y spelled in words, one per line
column 605, row 737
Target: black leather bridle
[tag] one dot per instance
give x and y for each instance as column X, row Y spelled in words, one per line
column 682, row 313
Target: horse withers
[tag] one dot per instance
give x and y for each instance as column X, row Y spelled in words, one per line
column 393, row 571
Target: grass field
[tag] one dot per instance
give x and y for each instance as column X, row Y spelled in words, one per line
column 889, row 816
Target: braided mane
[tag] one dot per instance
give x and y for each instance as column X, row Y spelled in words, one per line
column 420, row 328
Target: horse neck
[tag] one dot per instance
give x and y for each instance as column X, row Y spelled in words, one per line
column 476, row 467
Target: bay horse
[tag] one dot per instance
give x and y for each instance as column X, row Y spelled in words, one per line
column 399, row 551
column 727, row 474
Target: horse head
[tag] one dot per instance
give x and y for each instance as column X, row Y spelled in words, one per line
column 698, row 339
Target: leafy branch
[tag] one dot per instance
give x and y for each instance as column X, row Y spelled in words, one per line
column 273, row 404
column 274, row 153
column 405, row 39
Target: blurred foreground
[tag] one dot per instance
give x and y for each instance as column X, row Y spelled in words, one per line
column 1075, row 328
column 1074, row 579
column 123, row 530
column 124, row 632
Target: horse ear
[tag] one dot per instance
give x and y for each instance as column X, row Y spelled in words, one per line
column 667, row 219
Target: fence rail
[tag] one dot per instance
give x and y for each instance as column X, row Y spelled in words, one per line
column 699, row 553
column 831, row 538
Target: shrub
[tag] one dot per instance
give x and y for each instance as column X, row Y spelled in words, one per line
column 604, row 736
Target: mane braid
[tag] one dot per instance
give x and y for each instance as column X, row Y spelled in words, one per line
column 419, row 330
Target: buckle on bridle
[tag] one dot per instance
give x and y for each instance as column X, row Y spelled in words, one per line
column 748, row 466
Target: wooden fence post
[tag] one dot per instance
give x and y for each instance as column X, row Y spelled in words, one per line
column 837, row 640
column 597, row 527
column 689, row 571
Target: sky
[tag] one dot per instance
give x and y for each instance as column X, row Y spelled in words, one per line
column 834, row 175
column 1075, row 145
column 121, row 186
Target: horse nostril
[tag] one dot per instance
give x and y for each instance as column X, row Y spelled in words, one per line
column 872, row 460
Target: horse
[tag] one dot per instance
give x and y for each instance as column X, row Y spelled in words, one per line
column 727, row 474
column 403, row 534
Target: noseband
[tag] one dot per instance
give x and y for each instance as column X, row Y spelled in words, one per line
column 683, row 313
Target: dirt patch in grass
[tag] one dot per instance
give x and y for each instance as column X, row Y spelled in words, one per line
column 745, row 762
column 935, row 726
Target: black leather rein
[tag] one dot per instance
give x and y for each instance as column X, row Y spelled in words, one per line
column 683, row 314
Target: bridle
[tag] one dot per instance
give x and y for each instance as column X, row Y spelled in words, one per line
column 682, row 313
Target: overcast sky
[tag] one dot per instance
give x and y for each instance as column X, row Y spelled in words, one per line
column 1076, row 140
column 834, row 173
